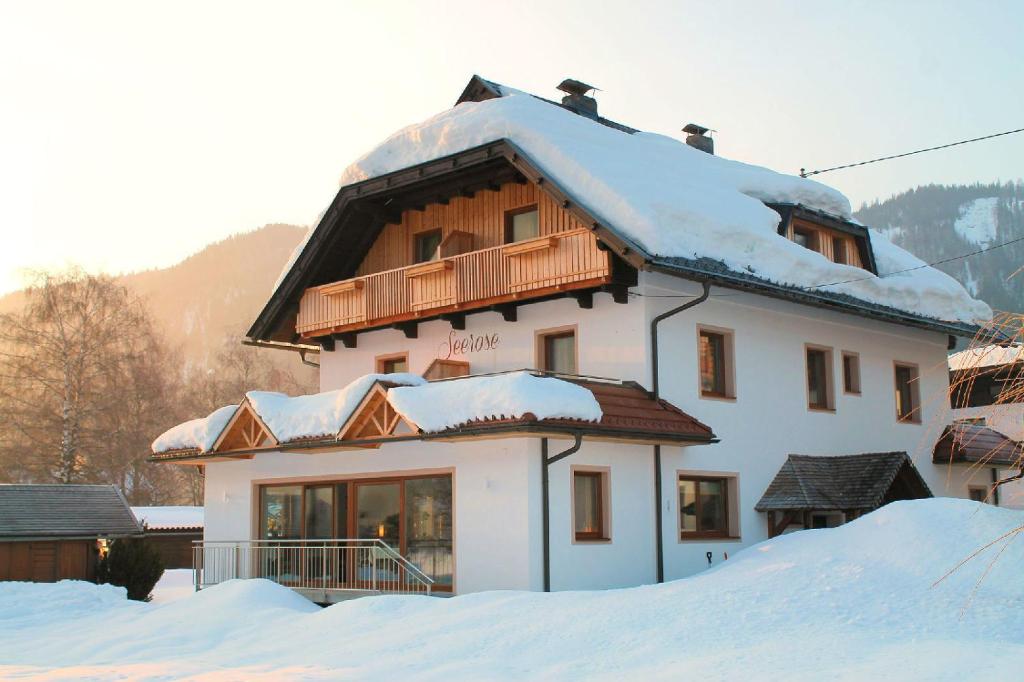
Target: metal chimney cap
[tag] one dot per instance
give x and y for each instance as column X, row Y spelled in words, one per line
column 695, row 129
column 572, row 86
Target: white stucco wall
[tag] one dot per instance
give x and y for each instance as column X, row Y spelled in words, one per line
column 497, row 483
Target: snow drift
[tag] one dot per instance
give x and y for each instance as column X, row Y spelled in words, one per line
column 856, row 602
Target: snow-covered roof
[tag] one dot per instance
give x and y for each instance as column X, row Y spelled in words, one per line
column 431, row 407
column 170, row 517
column 449, row 404
column 986, row 356
column 196, row 434
column 673, row 201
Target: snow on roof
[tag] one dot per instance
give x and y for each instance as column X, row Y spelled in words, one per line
column 447, row 404
column 986, row 356
column 675, row 201
column 319, row 414
column 167, row 518
column 197, row 434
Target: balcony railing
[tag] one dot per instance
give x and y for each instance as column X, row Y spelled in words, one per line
column 534, row 267
column 325, row 570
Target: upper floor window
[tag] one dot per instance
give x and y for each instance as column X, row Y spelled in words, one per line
column 522, row 223
column 715, row 357
column 835, row 245
column 556, row 350
column 426, row 246
column 392, row 364
column 819, row 378
column 806, row 238
column 851, row 373
column 908, row 395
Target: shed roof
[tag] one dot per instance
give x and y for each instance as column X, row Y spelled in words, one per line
column 975, row 444
column 64, row 511
column 840, row 482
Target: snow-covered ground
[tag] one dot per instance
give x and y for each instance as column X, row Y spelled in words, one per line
column 175, row 584
column 859, row 602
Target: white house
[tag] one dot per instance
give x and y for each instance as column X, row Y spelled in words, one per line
column 693, row 321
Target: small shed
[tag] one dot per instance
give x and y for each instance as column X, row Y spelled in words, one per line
column 171, row 531
column 54, row 532
column 826, row 491
column 978, row 445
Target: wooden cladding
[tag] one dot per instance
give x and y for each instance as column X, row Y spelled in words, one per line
column 548, row 264
column 837, row 246
column 466, row 224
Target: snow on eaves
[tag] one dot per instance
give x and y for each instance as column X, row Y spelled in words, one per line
column 320, row 414
column 196, row 434
column 449, row 404
column 986, row 356
column 675, row 201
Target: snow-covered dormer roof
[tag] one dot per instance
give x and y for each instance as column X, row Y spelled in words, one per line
column 680, row 208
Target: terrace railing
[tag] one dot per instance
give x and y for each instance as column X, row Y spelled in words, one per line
column 335, row 565
column 533, row 267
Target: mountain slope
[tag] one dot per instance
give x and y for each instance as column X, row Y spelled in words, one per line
column 214, row 294
column 936, row 222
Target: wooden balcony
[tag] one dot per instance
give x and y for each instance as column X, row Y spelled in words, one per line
column 536, row 267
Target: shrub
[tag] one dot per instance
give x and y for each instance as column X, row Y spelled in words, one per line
column 133, row 564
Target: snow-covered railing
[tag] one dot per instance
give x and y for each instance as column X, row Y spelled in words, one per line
column 335, row 565
column 562, row 260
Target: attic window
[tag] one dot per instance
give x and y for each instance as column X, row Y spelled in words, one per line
column 805, row 238
column 836, row 245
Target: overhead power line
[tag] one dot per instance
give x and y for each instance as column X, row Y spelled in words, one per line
column 804, row 173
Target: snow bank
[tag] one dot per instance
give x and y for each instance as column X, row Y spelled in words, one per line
column 986, row 356
column 174, row 584
column 447, row 404
column 321, row 414
column 169, row 517
column 197, row 433
column 857, row 602
column 674, row 200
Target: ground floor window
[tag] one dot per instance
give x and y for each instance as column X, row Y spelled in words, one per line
column 978, row 493
column 590, row 506
column 703, row 507
column 411, row 514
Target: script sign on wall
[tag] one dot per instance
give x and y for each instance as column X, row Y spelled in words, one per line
column 470, row 343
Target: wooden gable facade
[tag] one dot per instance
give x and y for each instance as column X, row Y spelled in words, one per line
column 244, row 431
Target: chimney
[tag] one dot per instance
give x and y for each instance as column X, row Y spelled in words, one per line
column 697, row 139
column 576, row 98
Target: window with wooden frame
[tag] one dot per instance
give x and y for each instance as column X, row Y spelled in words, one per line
column 426, row 246
column 851, row 373
column 715, row 362
column 394, row 363
column 703, row 507
column 836, row 245
column 557, row 350
column 839, row 247
column 820, row 393
column 521, row 224
column 446, row 369
column 590, row 505
column 806, row 237
column 978, row 493
column 907, row 393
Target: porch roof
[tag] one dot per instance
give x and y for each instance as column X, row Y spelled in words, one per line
column 964, row 443
column 592, row 407
column 840, row 482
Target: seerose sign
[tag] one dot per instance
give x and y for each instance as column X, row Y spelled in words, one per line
column 470, row 343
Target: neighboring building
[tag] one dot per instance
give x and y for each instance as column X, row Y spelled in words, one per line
column 738, row 313
column 171, row 531
column 985, row 439
column 56, row 532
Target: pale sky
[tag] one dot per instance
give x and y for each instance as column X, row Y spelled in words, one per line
column 132, row 134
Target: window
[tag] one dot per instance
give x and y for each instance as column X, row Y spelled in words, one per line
column 426, row 246
column 908, row 397
column 392, row 364
column 556, row 350
column 703, row 507
column 522, row 223
column 819, row 378
column 839, row 250
column 589, row 491
column 851, row 373
column 281, row 512
column 806, row 238
column 715, row 363
column 978, row 493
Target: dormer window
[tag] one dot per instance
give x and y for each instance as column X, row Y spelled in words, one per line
column 806, row 238
column 837, row 245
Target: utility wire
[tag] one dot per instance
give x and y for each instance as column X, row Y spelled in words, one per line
column 804, row 173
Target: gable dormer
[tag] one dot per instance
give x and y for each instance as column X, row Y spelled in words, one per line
column 838, row 240
column 244, row 431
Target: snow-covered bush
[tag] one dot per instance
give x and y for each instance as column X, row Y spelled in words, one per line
column 133, row 564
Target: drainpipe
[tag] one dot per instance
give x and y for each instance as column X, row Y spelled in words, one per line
column 655, row 388
column 546, row 503
column 995, row 486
